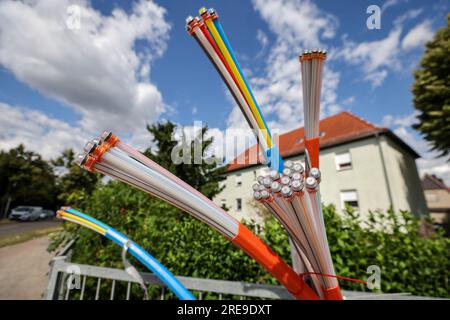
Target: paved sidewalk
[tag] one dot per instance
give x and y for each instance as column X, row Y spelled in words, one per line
column 23, row 269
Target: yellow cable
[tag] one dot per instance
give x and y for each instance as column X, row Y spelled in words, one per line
column 83, row 221
column 241, row 84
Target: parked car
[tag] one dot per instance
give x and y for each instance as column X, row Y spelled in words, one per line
column 25, row 213
column 47, row 214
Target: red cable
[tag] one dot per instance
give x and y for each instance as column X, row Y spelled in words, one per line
column 211, row 41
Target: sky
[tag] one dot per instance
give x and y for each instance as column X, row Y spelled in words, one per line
column 125, row 64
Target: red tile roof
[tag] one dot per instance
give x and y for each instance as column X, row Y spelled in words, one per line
column 431, row 182
column 337, row 129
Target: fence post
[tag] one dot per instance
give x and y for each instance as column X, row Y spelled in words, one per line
column 53, row 281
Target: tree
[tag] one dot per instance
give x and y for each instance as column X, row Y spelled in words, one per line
column 202, row 176
column 432, row 91
column 26, row 179
column 76, row 184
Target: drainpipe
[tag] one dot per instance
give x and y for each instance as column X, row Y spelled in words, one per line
column 386, row 176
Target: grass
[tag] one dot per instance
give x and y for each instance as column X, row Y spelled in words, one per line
column 6, row 221
column 29, row 235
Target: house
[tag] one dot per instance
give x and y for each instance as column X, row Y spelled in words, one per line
column 363, row 165
column 437, row 195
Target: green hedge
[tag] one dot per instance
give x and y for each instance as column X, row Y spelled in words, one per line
column 408, row 262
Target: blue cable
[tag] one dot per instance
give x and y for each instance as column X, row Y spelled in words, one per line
column 272, row 155
column 143, row 256
column 86, row 217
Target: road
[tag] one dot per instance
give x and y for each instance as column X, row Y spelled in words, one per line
column 15, row 227
column 24, row 268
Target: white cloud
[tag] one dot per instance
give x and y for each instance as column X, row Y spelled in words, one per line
column 38, row 132
column 262, row 38
column 374, row 57
column 377, row 58
column 296, row 25
column 96, row 69
column 391, row 3
column 408, row 15
column 418, row 35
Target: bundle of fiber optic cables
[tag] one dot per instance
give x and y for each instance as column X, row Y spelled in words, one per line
column 294, row 199
column 110, row 156
column 312, row 62
column 138, row 252
column 208, row 32
column 289, row 192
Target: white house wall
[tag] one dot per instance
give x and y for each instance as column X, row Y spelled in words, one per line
column 366, row 176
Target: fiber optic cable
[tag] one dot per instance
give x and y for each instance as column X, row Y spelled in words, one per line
column 110, row 155
column 138, row 252
column 238, row 75
column 196, row 32
column 312, row 62
column 215, row 35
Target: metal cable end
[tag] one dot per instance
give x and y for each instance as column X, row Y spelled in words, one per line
column 315, row 173
column 274, row 174
column 255, row 186
column 288, row 164
column 90, row 146
column 260, row 179
column 80, row 159
column 257, row 195
column 285, row 181
column 265, row 194
column 287, row 172
column 276, row 186
column 105, row 135
column 297, row 176
column 297, row 185
column 267, row 182
column 286, row 191
column 188, row 20
column 311, row 183
column 297, row 167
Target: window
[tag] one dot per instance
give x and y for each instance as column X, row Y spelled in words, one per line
column 223, row 203
column 238, row 204
column 343, row 161
column 349, row 197
column 238, row 180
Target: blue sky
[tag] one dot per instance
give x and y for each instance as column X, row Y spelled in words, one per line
column 131, row 63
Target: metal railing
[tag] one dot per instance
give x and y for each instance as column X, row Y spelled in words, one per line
column 62, row 273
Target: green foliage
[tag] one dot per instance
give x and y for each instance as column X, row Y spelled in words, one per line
column 76, row 183
column 432, row 91
column 408, row 262
column 194, row 166
column 26, row 179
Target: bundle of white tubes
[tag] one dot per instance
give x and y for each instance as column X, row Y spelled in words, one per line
column 294, row 199
column 111, row 157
